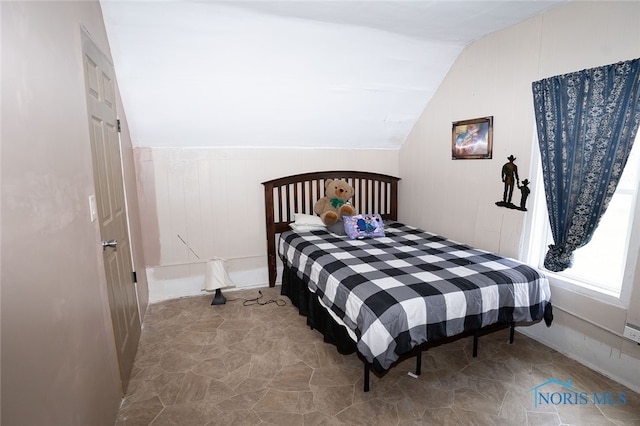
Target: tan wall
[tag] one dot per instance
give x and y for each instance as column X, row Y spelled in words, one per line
column 493, row 76
column 213, row 198
column 58, row 357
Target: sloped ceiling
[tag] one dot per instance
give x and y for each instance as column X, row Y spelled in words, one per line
column 290, row 73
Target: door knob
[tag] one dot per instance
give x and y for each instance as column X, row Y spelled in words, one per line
column 110, row 243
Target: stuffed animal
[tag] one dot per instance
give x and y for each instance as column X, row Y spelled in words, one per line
column 335, row 202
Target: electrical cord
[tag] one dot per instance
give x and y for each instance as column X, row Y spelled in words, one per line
column 256, row 301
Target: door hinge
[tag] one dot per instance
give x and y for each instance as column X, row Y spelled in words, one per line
column 118, row 128
column 135, row 277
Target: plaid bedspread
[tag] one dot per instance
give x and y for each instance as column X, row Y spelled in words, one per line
column 411, row 287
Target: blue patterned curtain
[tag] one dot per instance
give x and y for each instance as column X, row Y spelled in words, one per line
column 587, row 122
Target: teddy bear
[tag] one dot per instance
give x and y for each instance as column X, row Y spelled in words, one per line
column 335, row 204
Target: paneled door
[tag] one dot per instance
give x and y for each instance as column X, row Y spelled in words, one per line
column 110, row 204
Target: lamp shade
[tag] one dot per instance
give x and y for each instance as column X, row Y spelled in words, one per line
column 216, row 275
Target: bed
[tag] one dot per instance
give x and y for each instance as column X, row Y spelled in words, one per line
column 395, row 296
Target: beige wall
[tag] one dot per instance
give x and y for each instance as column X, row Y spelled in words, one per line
column 213, row 198
column 58, row 357
column 493, row 76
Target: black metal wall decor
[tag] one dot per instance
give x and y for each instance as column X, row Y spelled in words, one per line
column 511, row 179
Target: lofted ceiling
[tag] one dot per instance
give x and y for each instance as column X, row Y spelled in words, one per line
column 304, row 73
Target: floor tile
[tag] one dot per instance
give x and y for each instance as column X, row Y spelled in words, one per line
column 234, row 364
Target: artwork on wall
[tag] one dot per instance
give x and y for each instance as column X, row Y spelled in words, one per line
column 510, row 179
column 472, row 139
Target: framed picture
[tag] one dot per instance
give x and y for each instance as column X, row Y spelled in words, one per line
column 472, row 139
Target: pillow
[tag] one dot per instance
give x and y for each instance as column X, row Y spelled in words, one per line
column 337, row 228
column 307, row 222
column 308, row 219
column 363, row 226
column 304, row 228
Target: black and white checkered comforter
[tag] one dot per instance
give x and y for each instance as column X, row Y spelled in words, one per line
column 410, row 287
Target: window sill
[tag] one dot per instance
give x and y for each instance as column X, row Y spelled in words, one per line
column 584, row 289
column 603, row 311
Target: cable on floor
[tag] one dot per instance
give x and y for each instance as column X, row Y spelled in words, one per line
column 256, row 301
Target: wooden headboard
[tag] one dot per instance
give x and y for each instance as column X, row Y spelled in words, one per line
column 285, row 196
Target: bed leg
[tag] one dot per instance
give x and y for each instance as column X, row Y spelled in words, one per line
column 475, row 345
column 512, row 332
column 419, row 363
column 366, row 377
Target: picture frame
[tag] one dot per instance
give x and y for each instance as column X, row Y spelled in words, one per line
column 472, row 139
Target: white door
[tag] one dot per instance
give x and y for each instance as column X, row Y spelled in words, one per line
column 110, row 200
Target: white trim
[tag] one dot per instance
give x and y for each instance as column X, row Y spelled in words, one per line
column 585, row 289
column 182, row 280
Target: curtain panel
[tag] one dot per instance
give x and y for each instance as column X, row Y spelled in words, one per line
column 587, row 122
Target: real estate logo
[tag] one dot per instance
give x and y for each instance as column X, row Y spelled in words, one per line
column 571, row 396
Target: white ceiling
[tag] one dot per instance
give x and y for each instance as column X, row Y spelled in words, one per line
column 290, row 73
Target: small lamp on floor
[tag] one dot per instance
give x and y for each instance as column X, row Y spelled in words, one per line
column 215, row 278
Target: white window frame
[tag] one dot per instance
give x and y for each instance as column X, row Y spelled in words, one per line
column 534, row 245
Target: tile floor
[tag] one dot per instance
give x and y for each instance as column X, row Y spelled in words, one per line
column 231, row 364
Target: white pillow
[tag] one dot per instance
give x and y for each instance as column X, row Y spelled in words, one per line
column 303, row 228
column 308, row 220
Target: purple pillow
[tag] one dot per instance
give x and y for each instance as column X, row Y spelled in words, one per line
column 363, row 226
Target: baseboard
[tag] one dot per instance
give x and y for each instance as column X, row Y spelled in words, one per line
column 175, row 281
column 598, row 356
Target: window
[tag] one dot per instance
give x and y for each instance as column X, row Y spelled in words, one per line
column 604, row 267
